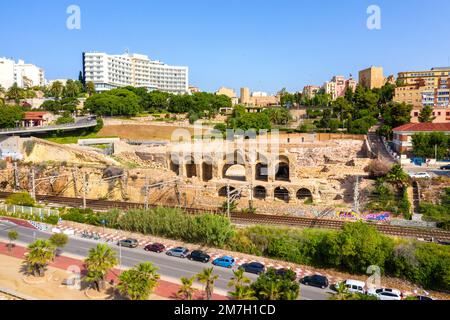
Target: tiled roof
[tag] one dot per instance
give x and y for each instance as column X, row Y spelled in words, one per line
column 424, row 127
column 32, row 115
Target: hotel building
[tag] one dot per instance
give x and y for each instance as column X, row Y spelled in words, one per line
column 114, row 71
column 26, row 75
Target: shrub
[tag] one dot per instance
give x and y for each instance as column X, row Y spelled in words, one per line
column 377, row 169
column 21, row 199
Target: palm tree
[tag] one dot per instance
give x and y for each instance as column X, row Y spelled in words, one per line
column 272, row 291
column 186, row 291
column 15, row 93
column 100, row 260
column 243, row 293
column 90, row 88
column 40, row 254
column 208, row 278
column 12, row 235
column 139, row 282
column 59, row 240
column 56, row 89
column 397, row 175
column 238, row 279
column 341, row 292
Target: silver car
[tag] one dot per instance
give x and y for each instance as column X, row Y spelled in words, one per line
column 179, row 252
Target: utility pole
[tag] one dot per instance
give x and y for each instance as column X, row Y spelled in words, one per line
column 146, row 193
column 33, row 184
column 16, row 177
column 250, row 202
column 84, row 189
column 228, row 199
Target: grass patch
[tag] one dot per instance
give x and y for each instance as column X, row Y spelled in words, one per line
column 74, row 139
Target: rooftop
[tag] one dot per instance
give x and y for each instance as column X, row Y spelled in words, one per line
column 423, row 127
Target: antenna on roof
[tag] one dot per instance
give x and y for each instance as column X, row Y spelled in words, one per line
column 127, row 51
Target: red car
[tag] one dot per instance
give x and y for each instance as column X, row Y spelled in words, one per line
column 155, row 247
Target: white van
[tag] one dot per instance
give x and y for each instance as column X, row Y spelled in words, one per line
column 355, row 286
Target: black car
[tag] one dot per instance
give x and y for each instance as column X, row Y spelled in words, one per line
column 315, row 281
column 253, row 267
column 198, row 255
column 446, row 167
column 283, row 272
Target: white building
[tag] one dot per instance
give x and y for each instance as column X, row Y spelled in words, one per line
column 24, row 74
column 260, row 94
column 114, row 71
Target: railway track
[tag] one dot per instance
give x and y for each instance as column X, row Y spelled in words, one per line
column 249, row 219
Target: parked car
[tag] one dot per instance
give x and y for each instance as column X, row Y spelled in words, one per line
column 129, row 243
column 353, row 286
column 155, row 247
column 386, row 294
column 446, row 167
column 420, row 175
column 179, row 252
column 423, row 298
column 253, row 267
column 282, row 272
column 198, row 255
column 225, row 261
column 315, row 281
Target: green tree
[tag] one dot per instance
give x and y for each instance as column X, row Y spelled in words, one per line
column 10, row 116
column 41, row 252
column 271, row 286
column 357, row 247
column 59, row 241
column 208, row 279
column 397, row 176
column 238, row 279
column 21, row 199
column 71, row 90
column 12, row 236
column 99, row 261
column 243, row 293
column 56, row 89
column 186, row 291
column 90, row 88
column 15, row 93
column 426, row 114
column 65, row 119
column 138, row 283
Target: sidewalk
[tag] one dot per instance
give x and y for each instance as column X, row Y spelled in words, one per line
column 164, row 289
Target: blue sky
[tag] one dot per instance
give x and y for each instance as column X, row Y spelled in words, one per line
column 265, row 45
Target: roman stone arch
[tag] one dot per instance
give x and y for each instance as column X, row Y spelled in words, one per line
column 304, row 194
column 260, row 192
column 281, row 193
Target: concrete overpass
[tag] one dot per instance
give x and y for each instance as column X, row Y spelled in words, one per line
column 23, row 131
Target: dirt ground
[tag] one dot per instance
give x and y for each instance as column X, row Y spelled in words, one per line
column 141, row 132
column 50, row 288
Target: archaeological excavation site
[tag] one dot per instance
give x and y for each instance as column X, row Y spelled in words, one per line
column 300, row 175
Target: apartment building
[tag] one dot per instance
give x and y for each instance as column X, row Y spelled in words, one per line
column 114, row 71
column 310, row 91
column 425, row 88
column 26, row 75
column 372, row 78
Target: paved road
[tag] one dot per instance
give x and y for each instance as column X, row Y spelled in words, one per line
column 168, row 266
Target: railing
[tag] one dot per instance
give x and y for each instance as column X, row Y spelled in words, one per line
column 81, row 124
column 28, row 210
